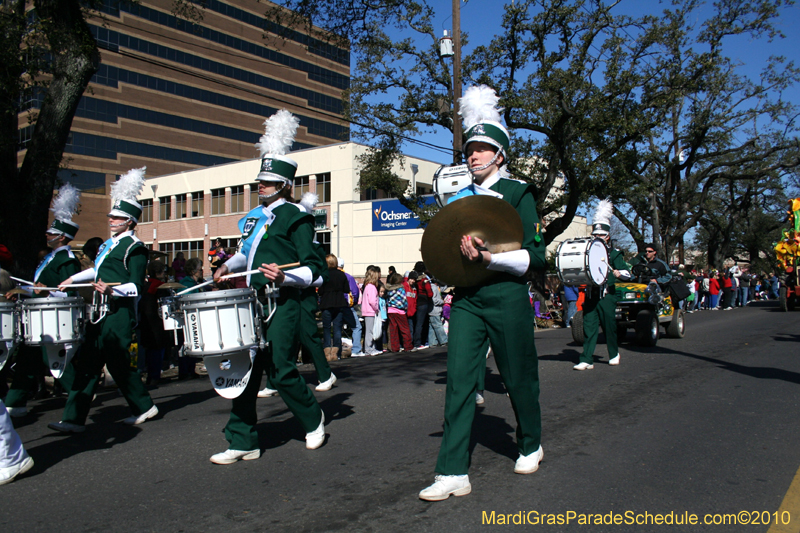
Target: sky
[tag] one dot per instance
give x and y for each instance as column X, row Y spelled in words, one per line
column 481, row 19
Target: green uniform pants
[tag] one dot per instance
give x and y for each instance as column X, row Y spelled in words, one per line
column 596, row 313
column 283, row 334
column 30, row 360
column 502, row 312
column 311, row 337
column 107, row 343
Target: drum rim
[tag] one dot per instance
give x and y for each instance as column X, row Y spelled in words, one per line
column 53, row 301
column 215, row 295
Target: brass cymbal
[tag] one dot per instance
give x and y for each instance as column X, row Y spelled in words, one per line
column 17, row 290
column 486, row 217
column 171, row 285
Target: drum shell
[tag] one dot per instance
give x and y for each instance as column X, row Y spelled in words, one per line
column 573, row 259
column 220, row 322
column 8, row 321
column 168, row 308
column 53, row 320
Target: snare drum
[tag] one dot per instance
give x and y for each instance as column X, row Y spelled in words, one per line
column 582, row 262
column 8, row 330
column 51, row 320
column 220, row 322
column 169, row 309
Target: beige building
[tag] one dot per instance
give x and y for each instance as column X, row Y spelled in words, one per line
column 185, row 211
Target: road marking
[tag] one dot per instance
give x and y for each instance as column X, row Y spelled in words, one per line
column 791, row 503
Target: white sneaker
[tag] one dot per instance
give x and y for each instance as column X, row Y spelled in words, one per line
column 266, row 392
column 136, row 420
column 231, row 456
column 479, row 399
column 8, row 473
column 327, row 384
column 528, row 464
column 614, row 361
column 17, row 412
column 359, row 354
column 66, row 427
column 315, row 439
column 444, row 486
column 583, row 366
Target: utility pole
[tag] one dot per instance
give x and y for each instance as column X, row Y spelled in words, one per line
column 457, row 134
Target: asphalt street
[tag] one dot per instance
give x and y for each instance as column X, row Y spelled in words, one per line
column 707, row 424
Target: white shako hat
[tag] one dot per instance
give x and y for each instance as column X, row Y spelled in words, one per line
column 481, row 118
column 124, row 193
column 601, row 221
column 279, row 132
column 64, row 207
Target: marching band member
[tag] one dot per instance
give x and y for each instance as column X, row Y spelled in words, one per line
column 600, row 305
column 59, row 264
column 122, row 259
column 309, row 333
column 277, row 231
column 498, row 309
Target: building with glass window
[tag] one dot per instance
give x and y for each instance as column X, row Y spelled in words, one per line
column 175, row 96
column 361, row 227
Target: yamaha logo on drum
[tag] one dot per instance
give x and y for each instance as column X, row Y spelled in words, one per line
column 220, row 381
column 194, row 330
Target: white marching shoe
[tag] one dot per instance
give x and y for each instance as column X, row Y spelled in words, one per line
column 231, row 456
column 583, row 366
column 327, row 384
column 266, row 392
column 444, row 486
column 315, row 439
column 614, row 361
column 528, row 464
column 16, row 412
column 136, row 420
column 8, row 473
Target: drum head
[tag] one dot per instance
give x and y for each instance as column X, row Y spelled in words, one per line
column 230, row 373
column 598, row 262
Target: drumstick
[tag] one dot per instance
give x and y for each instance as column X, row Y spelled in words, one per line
column 113, row 284
column 21, row 280
column 234, row 275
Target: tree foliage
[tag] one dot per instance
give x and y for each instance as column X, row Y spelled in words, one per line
column 599, row 104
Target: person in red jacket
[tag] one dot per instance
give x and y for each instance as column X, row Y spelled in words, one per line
column 410, row 285
column 424, row 304
column 713, row 290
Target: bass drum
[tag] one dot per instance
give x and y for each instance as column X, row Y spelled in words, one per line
column 582, row 262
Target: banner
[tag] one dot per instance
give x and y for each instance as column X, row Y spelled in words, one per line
column 391, row 215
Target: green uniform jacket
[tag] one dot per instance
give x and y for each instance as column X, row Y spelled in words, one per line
column 63, row 265
column 521, row 197
column 617, row 263
column 289, row 239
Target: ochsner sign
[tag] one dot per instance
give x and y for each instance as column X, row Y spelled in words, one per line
column 391, row 215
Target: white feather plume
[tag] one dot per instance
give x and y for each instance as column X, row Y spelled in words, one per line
column 129, row 186
column 479, row 104
column 66, row 203
column 309, row 201
column 279, row 132
column 604, row 212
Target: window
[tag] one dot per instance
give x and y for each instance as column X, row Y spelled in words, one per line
column 369, row 194
column 180, row 206
column 324, row 187
column 165, row 208
column 189, row 248
column 300, row 187
column 197, row 204
column 147, row 211
column 325, row 240
column 217, row 201
column 237, row 199
column 254, row 195
column 423, row 190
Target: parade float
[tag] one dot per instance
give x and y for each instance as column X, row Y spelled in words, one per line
column 788, row 254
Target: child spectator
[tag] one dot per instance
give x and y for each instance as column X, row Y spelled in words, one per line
column 398, row 320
